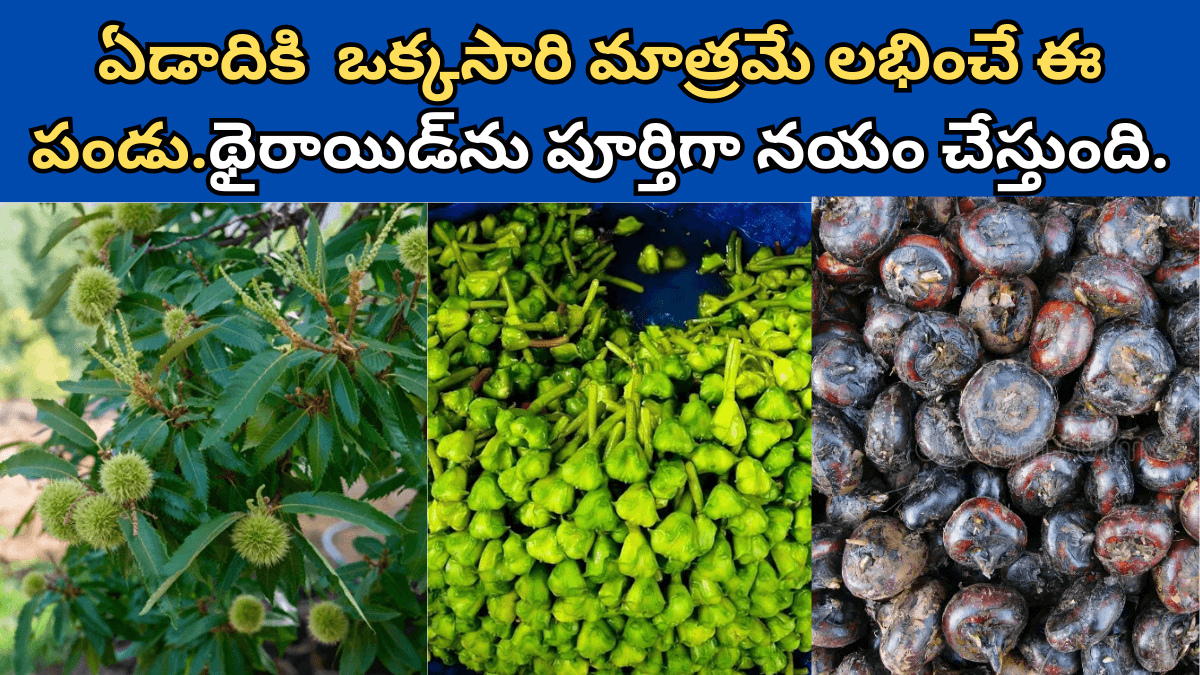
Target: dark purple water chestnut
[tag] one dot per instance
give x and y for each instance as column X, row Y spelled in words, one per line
column 1085, row 614
column 1036, row 579
column 850, row 510
column 1109, row 481
column 984, row 622
column 1167, row 503
column 931, row 213
column 882, row 558
column 1128, row 230
column 838, row 619
column 1183, row 327
column 1178, row 277
column 1109, row 287
column 1061, row 337
column 916, row 639
column 983, row 534
column 1082, row 426
column 828, row 542
column 1002, row 240
column 857, row 229
column 1007, row 412
column 1068, row 535
column 824, row 660
column 1161, row 637
column 1058, row 236
column 883, row 328
column 1001, row 311
column 843, row 306
column 1041, row 657
column 1189, row 510
column 1161, row 465
column 938, row 433
column 1113, row 655
column 1131, row 539
column 846, row 373
column 1182, row 217
column 1179, row 411
column 966, row 205
column 1035, row 203
column 936, row 353
column 1177, row 577
column 841, row 274
column 987, row 481
column 837, row 458
column 889, row 439
column 1127, row 369
column 931, row 498
column 1042, row 482
column 825, row 332
column 920, row 272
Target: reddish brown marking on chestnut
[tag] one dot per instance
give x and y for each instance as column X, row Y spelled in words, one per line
column 982, row 533
column 856, row 230
column 1132, row 539
column 1177, row 577
column 1161, row 465
column 1001, row 311
column 1083, row 426
column 840, row 273
column 1062, row 335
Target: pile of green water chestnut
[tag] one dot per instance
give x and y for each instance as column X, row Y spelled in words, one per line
column 605, row 498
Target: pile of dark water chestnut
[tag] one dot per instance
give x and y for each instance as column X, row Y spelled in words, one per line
column 1005, row 435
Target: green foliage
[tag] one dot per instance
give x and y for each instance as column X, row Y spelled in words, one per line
column 291, row 367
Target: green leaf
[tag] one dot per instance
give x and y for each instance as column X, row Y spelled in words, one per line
column 344, row 393
column 247, row 387
column 188, row 551
column 95, row 627
column 316, row 250
column 320, row 446
column 202, row 658
column 69, row 425
column 22, row 663
column 107, row 388
column 358, row 652
column 341, row 507
column 64, row 228
column 219, row 291
column 179, row 348
column 35, row 463
column 54, row 293
column 404, row 648
column 194, row 629
column 120, row 273
column 195, row 471
column 413, row 381
column 241, row 333
column 281, row 437
column 147, row 547
column 311, row 553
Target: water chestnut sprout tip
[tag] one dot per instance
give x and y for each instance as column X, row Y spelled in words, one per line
column 246, row 614
column 96, row 520
column 33, row 584
column 93, row 295
column 328, row 623
column 126, row 477
column 54, row 505
column 137, row 217
column 261, row 539
column 413, row 245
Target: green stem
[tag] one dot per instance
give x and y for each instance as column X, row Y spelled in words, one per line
column 694, row 485
column 623, row 283
column 435, row 465
column 545, row 399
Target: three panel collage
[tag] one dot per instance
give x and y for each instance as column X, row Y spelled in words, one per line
column 851, row 435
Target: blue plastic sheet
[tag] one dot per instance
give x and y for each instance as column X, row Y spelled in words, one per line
column 670, row 297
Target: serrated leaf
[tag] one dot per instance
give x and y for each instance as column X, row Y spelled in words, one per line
column 147, row 547
column 220, row 291
column 404, row 648
column 247, row 387
column 34, row 463
column 178, row 348
column 120, row 272
column 107, row 388
column 194, row 629
column 413, row 381
column 54, row 293
column 344, row 393
column 64, row 228
column 66, row 423
column 358, row 653
column 188, row 551
column 320, row 446
column 316, row 250
column 191, row 462
column 343, row 508
column 241, row 333
column 282, row 436
column 223, row 454
column 311, row 553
